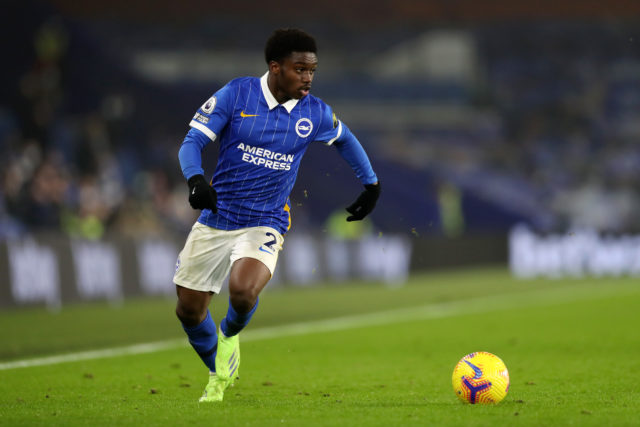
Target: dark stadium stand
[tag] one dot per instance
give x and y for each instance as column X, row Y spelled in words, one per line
column 545, row 124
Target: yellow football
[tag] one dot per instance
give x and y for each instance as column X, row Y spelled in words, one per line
column 480, row 377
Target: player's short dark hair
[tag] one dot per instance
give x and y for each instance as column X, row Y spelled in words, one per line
column 284, row 41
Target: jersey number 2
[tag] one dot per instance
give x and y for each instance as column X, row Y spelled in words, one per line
column 271, row 242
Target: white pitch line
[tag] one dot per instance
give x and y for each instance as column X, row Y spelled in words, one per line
column 95, row 354
column 425, row 312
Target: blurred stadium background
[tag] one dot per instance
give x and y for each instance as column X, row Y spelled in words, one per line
column 503, row 132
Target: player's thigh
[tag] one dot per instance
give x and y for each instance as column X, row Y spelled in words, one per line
column 247, row 279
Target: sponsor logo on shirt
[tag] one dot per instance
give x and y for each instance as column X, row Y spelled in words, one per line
column 304, row 127
column 266, row 158
column 243, row 114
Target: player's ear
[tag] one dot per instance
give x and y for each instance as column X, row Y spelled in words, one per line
column 274, row 67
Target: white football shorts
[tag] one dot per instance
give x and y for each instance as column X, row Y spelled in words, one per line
column 208, row 254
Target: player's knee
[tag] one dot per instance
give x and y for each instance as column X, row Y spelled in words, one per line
column 243, row 297
column 189, row 316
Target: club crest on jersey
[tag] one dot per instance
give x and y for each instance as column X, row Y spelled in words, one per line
column 208, row 106
column 304, row 127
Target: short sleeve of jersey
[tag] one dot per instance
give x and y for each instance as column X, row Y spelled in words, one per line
column 330, row 127
column 216, row 112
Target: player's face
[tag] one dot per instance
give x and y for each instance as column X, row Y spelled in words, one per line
column 295, row 74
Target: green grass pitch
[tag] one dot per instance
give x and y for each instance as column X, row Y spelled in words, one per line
column 344, row 355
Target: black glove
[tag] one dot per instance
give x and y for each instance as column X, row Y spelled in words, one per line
column 365, row 203
column 201, row 194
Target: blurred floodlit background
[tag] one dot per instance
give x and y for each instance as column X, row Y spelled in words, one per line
column 501, row 131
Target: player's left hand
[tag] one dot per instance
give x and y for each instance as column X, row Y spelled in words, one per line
column 365, row 203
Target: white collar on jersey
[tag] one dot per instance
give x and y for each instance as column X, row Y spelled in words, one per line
column 271, row 100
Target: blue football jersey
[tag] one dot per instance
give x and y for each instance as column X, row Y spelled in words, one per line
column 261, row 144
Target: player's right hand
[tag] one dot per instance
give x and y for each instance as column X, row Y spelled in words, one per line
column 201, row 194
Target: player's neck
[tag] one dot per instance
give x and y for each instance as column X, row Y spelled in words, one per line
column 279, row 95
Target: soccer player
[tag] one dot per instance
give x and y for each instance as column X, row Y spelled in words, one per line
column 263, row 127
